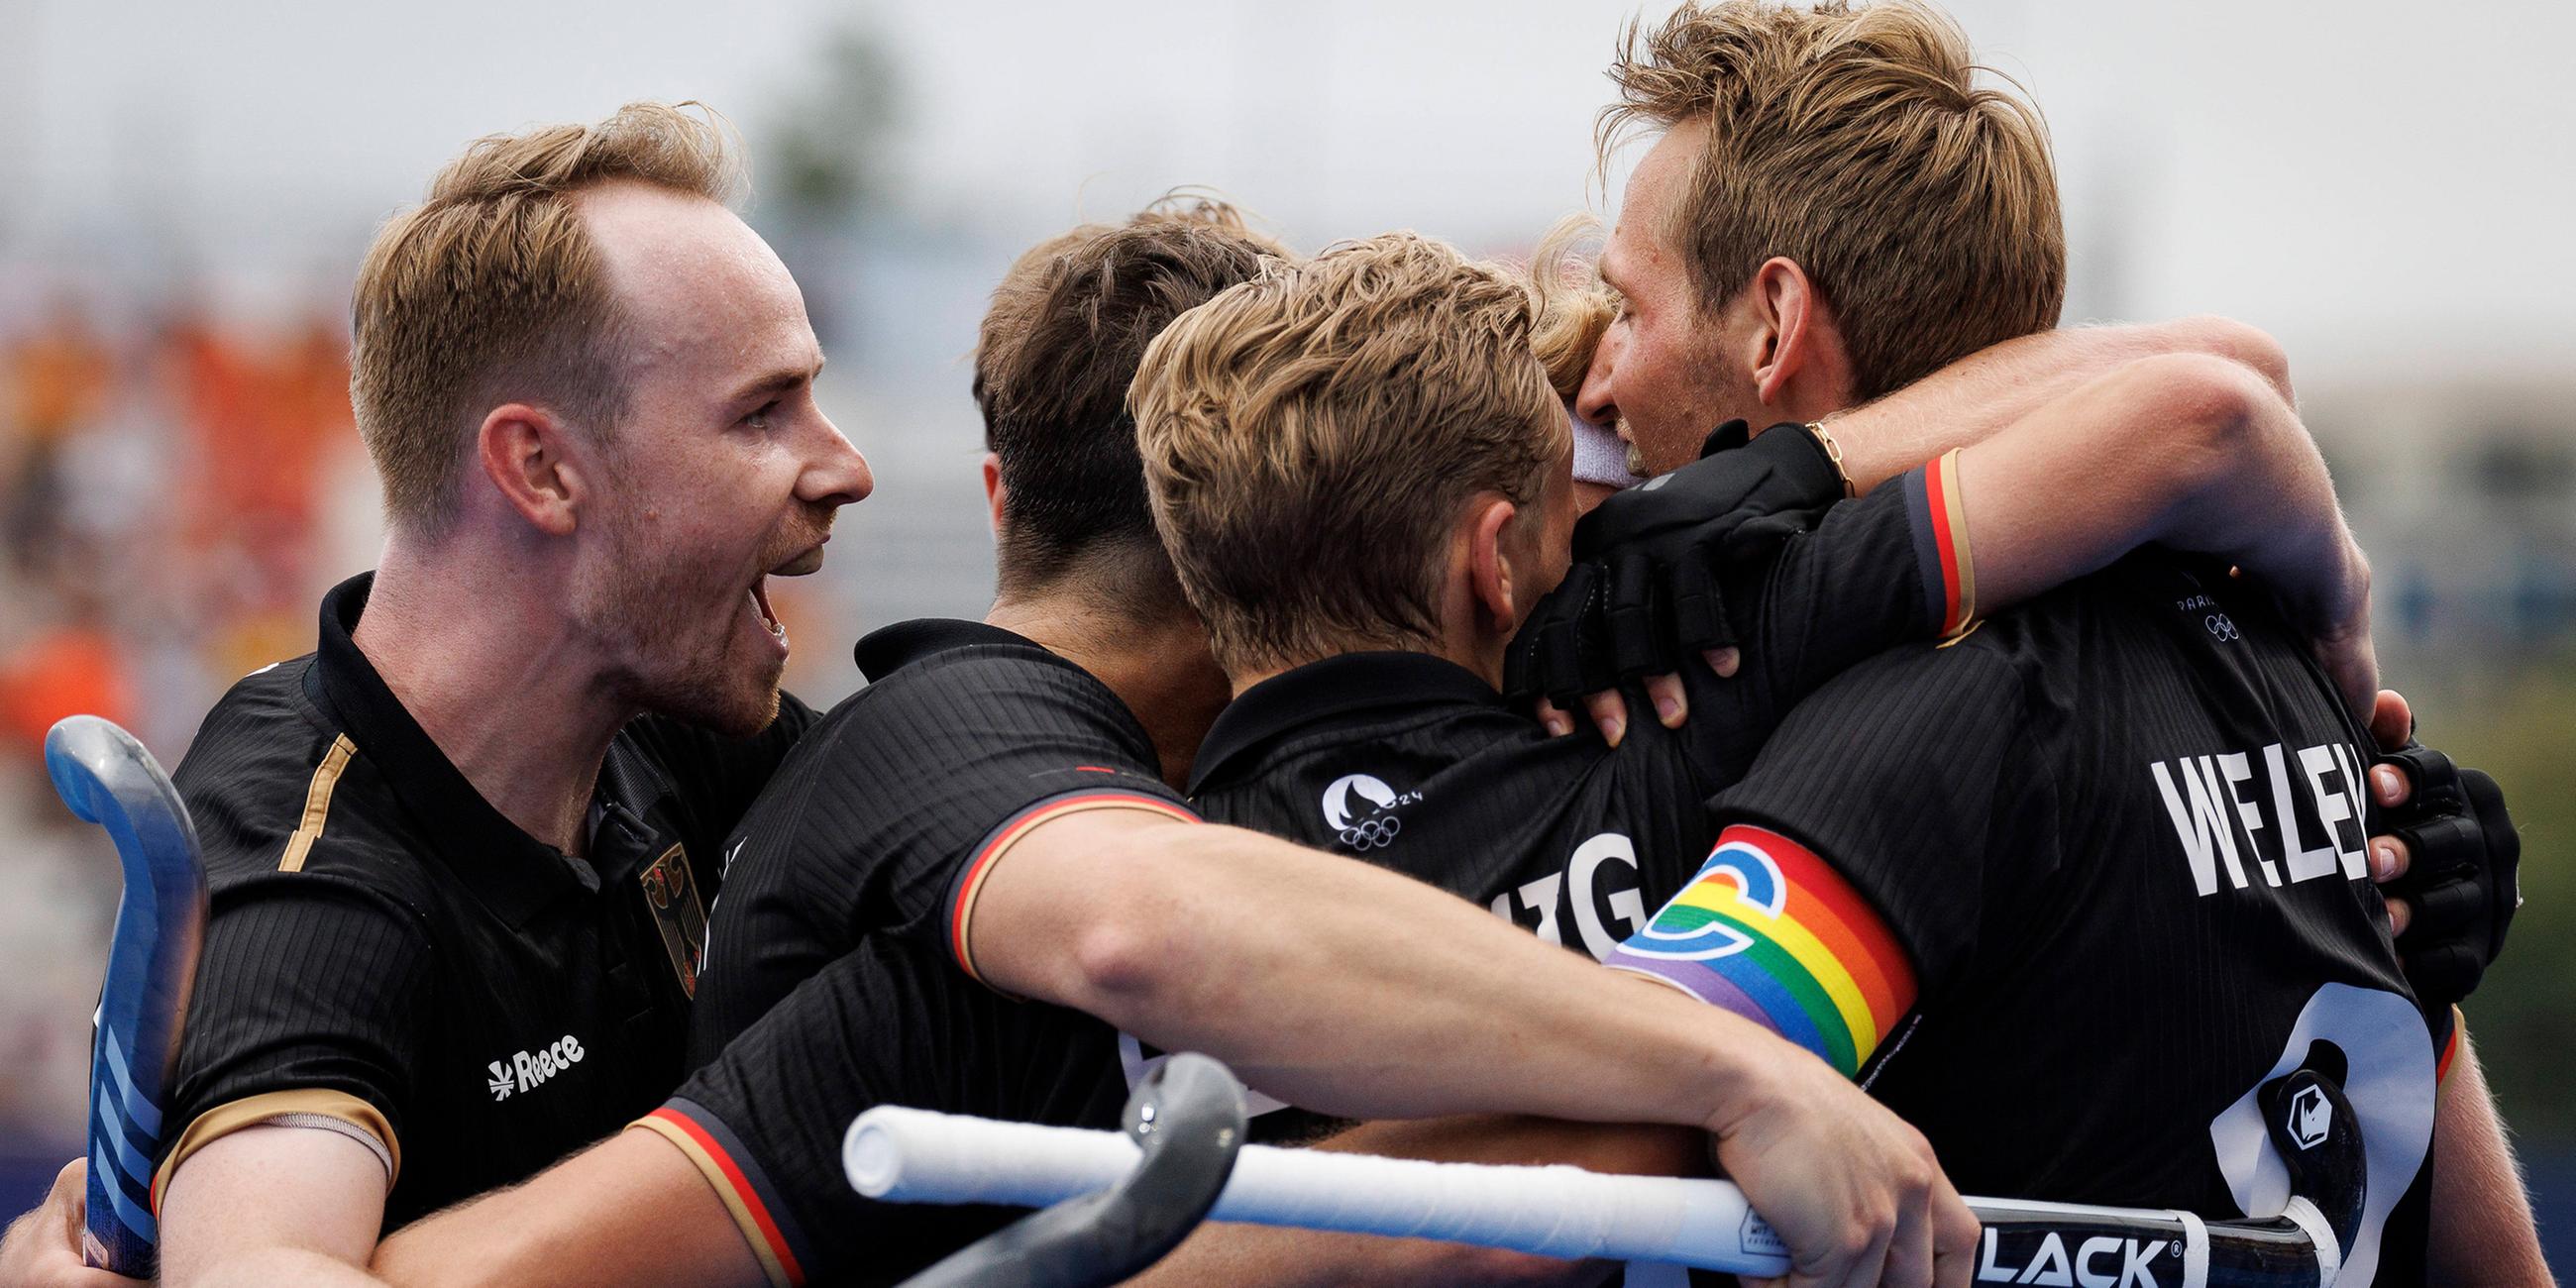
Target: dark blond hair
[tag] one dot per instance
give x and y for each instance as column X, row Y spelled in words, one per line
column 1857, row 143
column 1575, row 307
column 1053, row 361
column 1310, row 438
column 492, row 290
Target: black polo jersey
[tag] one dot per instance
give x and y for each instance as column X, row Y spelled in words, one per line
column 388, row 956
column 838, row 976
column 890, row 1022
column 886, row 818
column 1414, row 763
column 2118, row 838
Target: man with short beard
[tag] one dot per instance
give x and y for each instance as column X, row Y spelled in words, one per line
column 458, row 854
column 2070, row 988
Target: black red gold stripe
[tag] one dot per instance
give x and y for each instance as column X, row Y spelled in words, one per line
column 1939, row 516
column 746, row 1191
column 999, row 841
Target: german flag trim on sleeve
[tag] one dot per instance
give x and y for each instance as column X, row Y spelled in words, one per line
column 996, row 843
column 1768, row 931
column 1939, row 518
column 755, row 1204
column 2450, row 1048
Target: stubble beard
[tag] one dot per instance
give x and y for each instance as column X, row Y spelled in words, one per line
column 640, row 613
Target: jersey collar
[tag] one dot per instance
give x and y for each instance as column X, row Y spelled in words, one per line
column 888, row 649
column 512, row 872
column 1323, row 691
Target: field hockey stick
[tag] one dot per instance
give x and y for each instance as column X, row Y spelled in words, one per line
column 1184, row 1126
column 908, row 1155
column 107, row 778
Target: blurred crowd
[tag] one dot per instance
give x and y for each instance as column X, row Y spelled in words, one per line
column 168, row 485
column 164, row 488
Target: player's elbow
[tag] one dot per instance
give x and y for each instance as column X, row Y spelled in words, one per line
column 2242, row 343
column 1128, row 952
column 1116, row 965
column 2206, row 414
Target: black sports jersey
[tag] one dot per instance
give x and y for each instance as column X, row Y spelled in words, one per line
column 889, row 1023
column 849, row 896
column 388, row 956
column 1414, row 763
column 2117, row 836
column 887, row 816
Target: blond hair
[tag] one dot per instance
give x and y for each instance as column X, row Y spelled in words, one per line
column 492, row 290
column 1857, row 143
column 1575, row 307
column 1310, row 437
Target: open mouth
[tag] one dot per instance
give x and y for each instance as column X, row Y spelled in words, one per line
column 768, row 616
column 805, row 561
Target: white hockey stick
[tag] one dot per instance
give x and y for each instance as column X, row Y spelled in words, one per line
column 916, row 1156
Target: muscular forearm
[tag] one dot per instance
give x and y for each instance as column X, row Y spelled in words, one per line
column 1348, row 989
column 2190, row 452
column 2187, row 451
column 1972, row 399
column 2482, row 1231
column 631, row 1210
column 1281, row 1258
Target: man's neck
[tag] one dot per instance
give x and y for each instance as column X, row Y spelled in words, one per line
column 496, row 676
column 1469, row 650
column 1157, row 664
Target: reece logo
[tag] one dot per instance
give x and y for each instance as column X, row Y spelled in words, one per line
column 527, row 1070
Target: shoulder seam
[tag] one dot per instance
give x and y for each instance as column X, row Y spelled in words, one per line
column 317, row 803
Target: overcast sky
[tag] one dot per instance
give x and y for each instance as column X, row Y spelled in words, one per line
column 2386, row 185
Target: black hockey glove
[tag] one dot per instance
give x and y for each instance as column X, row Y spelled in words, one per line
column 2462, row 877
column 1642, row 595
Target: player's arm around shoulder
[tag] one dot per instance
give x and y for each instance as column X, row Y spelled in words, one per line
column 1353, row 990
column 2190, row 451
column 632, row 1209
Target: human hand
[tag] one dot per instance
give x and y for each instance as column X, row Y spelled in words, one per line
column 1853, row 1190
column 2450, row 865
column 1643, row 600
column 43, row 1248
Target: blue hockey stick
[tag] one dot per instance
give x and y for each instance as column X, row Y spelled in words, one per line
column 107, row 778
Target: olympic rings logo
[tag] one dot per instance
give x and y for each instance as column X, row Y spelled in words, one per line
column 1369, row 834
column 2221, row 628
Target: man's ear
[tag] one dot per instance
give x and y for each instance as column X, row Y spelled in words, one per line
column 524, row 451
column 1492, row 581
column 995, row 495
column 1800, row 358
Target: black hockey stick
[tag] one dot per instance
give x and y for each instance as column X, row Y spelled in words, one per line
column 1188, row 1118
column 908, row 1155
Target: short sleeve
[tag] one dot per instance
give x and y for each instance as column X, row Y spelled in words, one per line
column 1810, row 603
column 1891, row 567
column 898, row 807
column 306, row 1009
column 1921, row 778
column 885, row 1024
